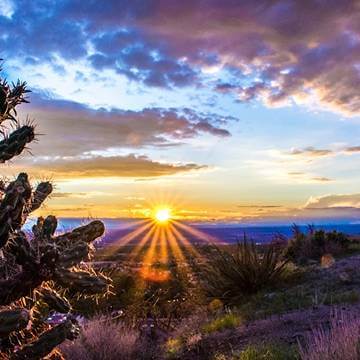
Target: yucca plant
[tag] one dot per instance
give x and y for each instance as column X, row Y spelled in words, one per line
column 229, row 275
column 37, row 269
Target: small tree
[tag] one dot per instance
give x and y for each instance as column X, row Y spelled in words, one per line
column 36, row 269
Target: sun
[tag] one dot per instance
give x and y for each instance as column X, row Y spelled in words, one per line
column 162, row 215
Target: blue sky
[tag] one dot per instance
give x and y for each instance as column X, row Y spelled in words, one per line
column 234, row 111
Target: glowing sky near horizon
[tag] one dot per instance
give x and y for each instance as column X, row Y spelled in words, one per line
column 228, row 110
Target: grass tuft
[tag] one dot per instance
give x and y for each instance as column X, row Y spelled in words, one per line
column 227, row 321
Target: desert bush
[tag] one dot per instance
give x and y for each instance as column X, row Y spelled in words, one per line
column 339, row 342
column 101, row 338
column 314, row 244
column 164, row 302
column 228, row 275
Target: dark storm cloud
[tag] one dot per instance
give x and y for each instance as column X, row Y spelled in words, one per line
column 294, row 49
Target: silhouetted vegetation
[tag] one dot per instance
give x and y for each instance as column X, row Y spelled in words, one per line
column 229, row 275
column 37, row 269
column 314, row 244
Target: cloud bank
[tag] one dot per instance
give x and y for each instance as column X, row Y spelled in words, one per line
column 133, row 166
column 275, row 51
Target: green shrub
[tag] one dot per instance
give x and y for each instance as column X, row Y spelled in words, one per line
column 227, row 321
column 229, row 275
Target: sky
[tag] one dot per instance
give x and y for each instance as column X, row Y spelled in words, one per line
column 224, row 110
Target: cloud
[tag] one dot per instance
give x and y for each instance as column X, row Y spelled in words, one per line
column 311, row 152
column 321, row 179
column 62, row 195
column 6, row 8
column 71, row 128
column 274, row 51
column 307, row 178
column 133, row 55
column 334, row 201
column 134, row 166
column 260, row 206
column 296, row 173
column 352, row 149
column 294, row 49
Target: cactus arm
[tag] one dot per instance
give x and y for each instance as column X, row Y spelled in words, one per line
column 47, row 341
column 13, row 320
column 55, row 301
column 42, row 191
column 18, row 286
column 73, row 255
column 16, row 198
column 10, row 97
column 87, row 233
column 16, row 142
column 82, row 281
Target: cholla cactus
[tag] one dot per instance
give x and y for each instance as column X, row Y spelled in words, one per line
column 36, row 269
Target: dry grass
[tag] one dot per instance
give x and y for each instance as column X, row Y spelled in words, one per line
column 340, row 342
column 103, row 339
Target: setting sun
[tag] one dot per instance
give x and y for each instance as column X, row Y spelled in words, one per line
column 163, row 215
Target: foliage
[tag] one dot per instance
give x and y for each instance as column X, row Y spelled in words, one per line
column 268, row 352
column 37, row 269
column 341, row 341
column 229, row 320
column 314, row 244
column 164, row 302
column 229, row 275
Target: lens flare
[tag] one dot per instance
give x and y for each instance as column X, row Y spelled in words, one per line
column 163, row 215
column 159, row 242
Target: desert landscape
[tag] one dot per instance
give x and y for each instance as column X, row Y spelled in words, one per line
column 179, row 180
